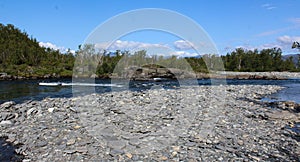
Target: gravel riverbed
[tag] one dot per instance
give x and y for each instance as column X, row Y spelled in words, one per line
column 274, row 74
column 203, row 123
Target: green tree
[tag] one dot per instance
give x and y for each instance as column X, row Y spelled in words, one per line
column 22, row 55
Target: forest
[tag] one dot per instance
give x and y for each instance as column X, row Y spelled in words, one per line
column 21, row 55
column 258, row 61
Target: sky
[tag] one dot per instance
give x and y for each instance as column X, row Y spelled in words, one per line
column 250, row 24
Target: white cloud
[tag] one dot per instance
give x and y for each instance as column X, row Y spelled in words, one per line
column 184, row 54
column 49, row 45
column 55, row 47
column 283, row 42
column 268, row 6
column 128, row 45
column 260, row 47
column 183, row 45
column 270, row 45
column 287, row 40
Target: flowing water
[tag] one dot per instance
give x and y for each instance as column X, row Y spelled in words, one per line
column 23, row 90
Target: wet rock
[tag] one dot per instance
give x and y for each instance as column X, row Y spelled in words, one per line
column 282, row 115
column 286, row 105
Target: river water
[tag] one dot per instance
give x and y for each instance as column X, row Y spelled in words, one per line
column 23, row 90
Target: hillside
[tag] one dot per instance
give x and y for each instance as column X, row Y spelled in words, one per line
column 22, row 56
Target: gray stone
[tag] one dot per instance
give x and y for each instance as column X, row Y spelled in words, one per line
column 69, row 151
column 116, row 152
column 31, row 111
column 7, row 105
column 220, row 147
column 71, row 141
column 154, row 125
column 6, row 123
column 118, row 144
column 190, row 144
column 82, row 150
column 41, row 143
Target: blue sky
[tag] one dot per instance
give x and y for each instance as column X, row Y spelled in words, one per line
column 230, row 24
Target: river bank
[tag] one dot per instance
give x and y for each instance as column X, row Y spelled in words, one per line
column 175, row 74
column 262, row 75
column 190, row 123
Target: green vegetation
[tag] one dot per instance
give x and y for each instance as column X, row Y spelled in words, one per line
column 21, row 55
column 255, row 61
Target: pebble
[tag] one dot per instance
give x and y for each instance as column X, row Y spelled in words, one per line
column 30, row 111
column 129, row 155
column 50, row 110
column 6, row 122
column 115, row 152
column 176, row 148
column 240, row 142
column 82, row 150
column 77, row 126
column 71, row 142
column 155, row 125
column 7, row 105
column 163, row 158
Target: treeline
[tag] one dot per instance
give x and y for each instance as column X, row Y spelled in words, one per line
column 256, row 61
column 90, row 60
column 241, row 60
column 21, row 55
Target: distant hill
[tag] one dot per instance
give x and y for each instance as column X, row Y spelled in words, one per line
column 295, row 57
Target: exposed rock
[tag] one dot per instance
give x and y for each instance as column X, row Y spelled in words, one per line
column 6, row 123
column 50, row 110
column 282, row 115
column 203, row 123
column 7, row 105
column 285, row 105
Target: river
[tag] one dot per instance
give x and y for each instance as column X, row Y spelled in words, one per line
column 23, row 90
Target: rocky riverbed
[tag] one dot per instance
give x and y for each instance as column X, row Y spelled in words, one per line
column 171, row 73
column 208, row 123
column 260, row 75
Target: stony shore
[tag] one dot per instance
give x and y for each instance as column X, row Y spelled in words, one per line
column 205, row 123
column 172, row 74
column 261, row 75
